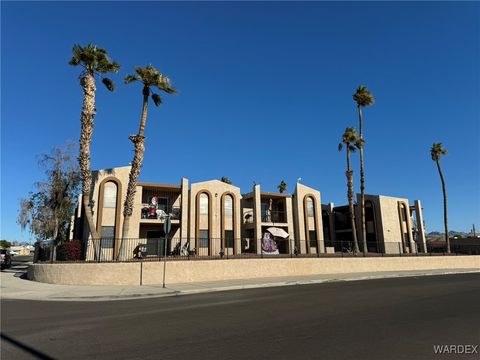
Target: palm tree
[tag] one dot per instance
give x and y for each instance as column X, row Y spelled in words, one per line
column 226, row 180
column 436, row 151
column 351, row 141
column 149, row 77
column 363, row 98
column 94, row 62
column 282, row 187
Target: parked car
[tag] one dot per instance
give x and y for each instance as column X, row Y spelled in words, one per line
column 5, row 258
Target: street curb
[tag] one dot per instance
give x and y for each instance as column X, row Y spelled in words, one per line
column 173, row 292
column 319, row 281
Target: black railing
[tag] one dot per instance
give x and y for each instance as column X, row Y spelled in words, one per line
column 161, row 212
column 274, row 216
column 155, row 249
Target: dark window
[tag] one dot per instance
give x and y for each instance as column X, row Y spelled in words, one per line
column 108, row 234
column 204, row 238
column 312, row 234
column 229, row 238
column 326, row 226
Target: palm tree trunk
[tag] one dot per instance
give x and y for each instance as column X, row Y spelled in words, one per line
column 445, row 221
column 88, row 112
column 349, row 174
column 362, row 184
column 139, row 144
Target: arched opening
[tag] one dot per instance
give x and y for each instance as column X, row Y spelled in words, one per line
column 310, row 225
column 203, row 224
column 108, row 217
column 228, row 224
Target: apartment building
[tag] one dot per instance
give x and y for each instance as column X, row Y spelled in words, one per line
column 213, row 218
column 392, row 225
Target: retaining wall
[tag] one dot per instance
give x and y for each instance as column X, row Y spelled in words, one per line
column 151, row 273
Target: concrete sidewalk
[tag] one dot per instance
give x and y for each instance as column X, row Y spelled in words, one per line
column 15, row 286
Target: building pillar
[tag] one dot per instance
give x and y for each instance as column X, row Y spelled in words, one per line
column 421, row 239
column 291, row 232
column 408, row 222
column 184, row 212
column 257, row 218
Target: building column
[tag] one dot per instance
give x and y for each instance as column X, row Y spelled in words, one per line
column 291, row 232
column 421, row 239
column 184, row 212
column 319, row 226
column 408, row 221
column 257, row 218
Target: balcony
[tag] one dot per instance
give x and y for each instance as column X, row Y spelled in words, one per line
column 149, row 212
column 273, row 216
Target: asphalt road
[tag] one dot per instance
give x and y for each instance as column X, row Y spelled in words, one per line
column 384, row 319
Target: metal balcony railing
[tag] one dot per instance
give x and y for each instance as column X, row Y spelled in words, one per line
column 161, row 212
column 274, row 216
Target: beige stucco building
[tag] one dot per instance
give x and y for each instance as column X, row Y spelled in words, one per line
column 213, row 218
column 392, row 225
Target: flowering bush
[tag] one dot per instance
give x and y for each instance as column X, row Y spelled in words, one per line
column 70, row 251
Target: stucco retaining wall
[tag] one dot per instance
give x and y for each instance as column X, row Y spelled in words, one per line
column 211, row 270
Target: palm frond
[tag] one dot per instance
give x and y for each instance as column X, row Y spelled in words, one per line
column 437, row 150
column 150, row 76
column 363, row 97
column 156, row 99
column 349, row 138
column 108, row 83
column 130, row 78
column 94, row 59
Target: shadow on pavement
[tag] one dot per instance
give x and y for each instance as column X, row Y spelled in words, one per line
column 26, row 348
column 19, row 266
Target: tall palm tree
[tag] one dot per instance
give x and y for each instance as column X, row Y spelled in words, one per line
column 150, row 78
column 282, row 187
column 351, row 141
column 363, row 98
column 436, row 152
column 94, row 62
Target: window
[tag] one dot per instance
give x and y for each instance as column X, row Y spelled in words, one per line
column 229, row 238
column 203, row 204
column 228, row 205
column 204, row 237
column 110, row 195
column 312, row 235
column 310, row 207
column 108, row 234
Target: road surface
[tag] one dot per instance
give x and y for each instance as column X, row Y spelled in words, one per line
column 399, row 318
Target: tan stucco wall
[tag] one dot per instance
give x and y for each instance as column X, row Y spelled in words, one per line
column 390, row 216
column 211, row 270
column 299, row 217
column 216, row 189
column 121, row 174
column 184, row 204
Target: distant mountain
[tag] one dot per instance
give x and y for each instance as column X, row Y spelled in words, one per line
column 451, row 233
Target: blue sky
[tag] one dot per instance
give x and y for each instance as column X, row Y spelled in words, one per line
column 265, row 92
